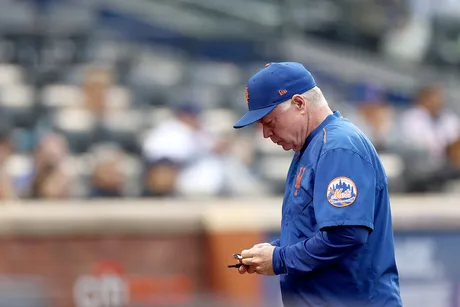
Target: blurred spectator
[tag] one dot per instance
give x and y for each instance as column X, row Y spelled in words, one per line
column 97, row 83
column 176, row 146
column 7, row 189
column 160, row 178
column 451, row 171
column 181, row 139
column 374, row 116
column 51, row 182
column 429, row 126
column 49, row 177
column 220, row 173
column 187, row 160
column 6, row 147
column 453, row 156
column 426, row 130
column 108, row 177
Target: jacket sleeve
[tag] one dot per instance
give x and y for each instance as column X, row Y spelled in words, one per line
column 327, row 247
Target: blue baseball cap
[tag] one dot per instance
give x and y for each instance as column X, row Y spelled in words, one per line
column 272, row 85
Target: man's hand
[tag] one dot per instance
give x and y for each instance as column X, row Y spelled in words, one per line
column 251, row 269
column 258, row 259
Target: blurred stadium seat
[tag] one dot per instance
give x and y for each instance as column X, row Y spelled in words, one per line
column 18, row 103
column 77, row 125
column 155, row 63
column 61, row 95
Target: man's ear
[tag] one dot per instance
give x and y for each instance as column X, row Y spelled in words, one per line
column 299, row 102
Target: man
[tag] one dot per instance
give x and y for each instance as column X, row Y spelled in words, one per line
column 336, row 246
column 425, row 152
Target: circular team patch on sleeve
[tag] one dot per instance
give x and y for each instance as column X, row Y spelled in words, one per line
column 341, row 192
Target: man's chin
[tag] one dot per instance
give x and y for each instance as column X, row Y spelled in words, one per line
column 286, row 146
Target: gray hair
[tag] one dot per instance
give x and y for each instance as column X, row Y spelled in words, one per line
column 314, row 96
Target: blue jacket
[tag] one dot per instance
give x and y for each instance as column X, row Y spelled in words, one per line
column 336, row 246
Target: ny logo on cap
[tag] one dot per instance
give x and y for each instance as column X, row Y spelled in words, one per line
column 282, row 92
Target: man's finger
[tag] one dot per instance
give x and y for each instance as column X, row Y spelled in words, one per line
column 247, row 253
column 249, row 261
column 242, row 269
column 251, row 269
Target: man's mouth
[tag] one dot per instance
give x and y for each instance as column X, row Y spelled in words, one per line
column 277, row 142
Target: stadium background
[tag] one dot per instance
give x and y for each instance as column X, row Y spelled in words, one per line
column 124, row 184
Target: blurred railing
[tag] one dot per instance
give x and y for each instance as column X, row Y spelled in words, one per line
column 137, row 216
